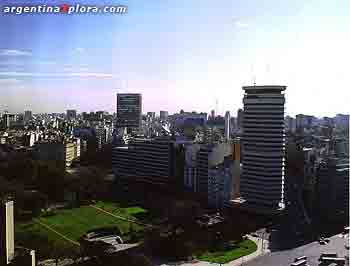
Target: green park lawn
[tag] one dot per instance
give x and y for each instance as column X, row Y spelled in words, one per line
column 243, row 248
column 73, row 223
column 128, row 212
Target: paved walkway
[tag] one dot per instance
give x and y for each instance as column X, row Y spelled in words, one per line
column 56, row 232
column 120, row 217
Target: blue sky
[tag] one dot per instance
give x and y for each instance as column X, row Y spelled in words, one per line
column 178, row 54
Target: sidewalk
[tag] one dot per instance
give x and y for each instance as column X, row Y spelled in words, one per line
column 260, row 251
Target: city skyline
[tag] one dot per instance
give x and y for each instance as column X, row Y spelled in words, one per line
column 177, row 53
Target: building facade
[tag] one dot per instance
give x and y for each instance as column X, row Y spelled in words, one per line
column 163, row 115
column 210, row 171
column 263, row 148
column 227, row 126
column 332, row 188
column 7, row 242
column 129, row 110
column 62, row 152
column 145, row 160
column 71, row 114
column 27, row 116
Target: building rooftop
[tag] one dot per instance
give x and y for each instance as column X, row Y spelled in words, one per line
column 264, row 87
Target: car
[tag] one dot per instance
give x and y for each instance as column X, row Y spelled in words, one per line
column 322, row 242
column 327, row 240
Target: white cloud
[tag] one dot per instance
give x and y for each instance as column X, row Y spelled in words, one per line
column 13, row 52
column 57, row 75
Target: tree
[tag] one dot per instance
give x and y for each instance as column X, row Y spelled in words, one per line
column 90, row 182
column 50, row 180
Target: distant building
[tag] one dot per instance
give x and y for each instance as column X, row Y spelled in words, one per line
column 103, row 136
column 190, row 169
column 304, row 121
column 150, row 161
column 77, row 147
column 342, row 121
column 212, row 114
column 233, row 124
column 27, row 116
column 263, row 148
column 332, row 188
column 290, row 124
column 71, row 114
column 227, row 126
column 189, row 120
column 129, row 110
column 236, row 171
column 220, row 184
column 29, row 139
column 83, row 146
column 239, row 119
column 151, row 115
column 211, row 171
column 10, row 119
column 163, row 115
column 7, row 233
column 328, row 121
column 61, row 152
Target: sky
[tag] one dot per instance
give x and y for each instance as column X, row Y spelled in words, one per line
column 191, row 55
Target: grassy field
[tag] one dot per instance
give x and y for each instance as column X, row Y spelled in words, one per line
column 129, row 212
column 243, row 248
column 73, row 223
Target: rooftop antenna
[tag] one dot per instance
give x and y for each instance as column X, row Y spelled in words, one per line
column 216, row 106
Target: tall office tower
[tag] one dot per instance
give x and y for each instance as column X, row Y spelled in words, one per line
column 163, row 115
column 71, row 114
column 263, row 139
column 129, row 110
column 212, row 114
column 227, row 126
column 239, row 118
column 27, row 116
column 7, row 242
column 151, row 115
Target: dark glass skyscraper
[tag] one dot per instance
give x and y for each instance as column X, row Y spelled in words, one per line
column 129, row 110
column 263, row 146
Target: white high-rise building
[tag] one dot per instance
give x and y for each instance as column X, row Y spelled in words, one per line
column 227, row 126
column 263, row 148
column 7, row 233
